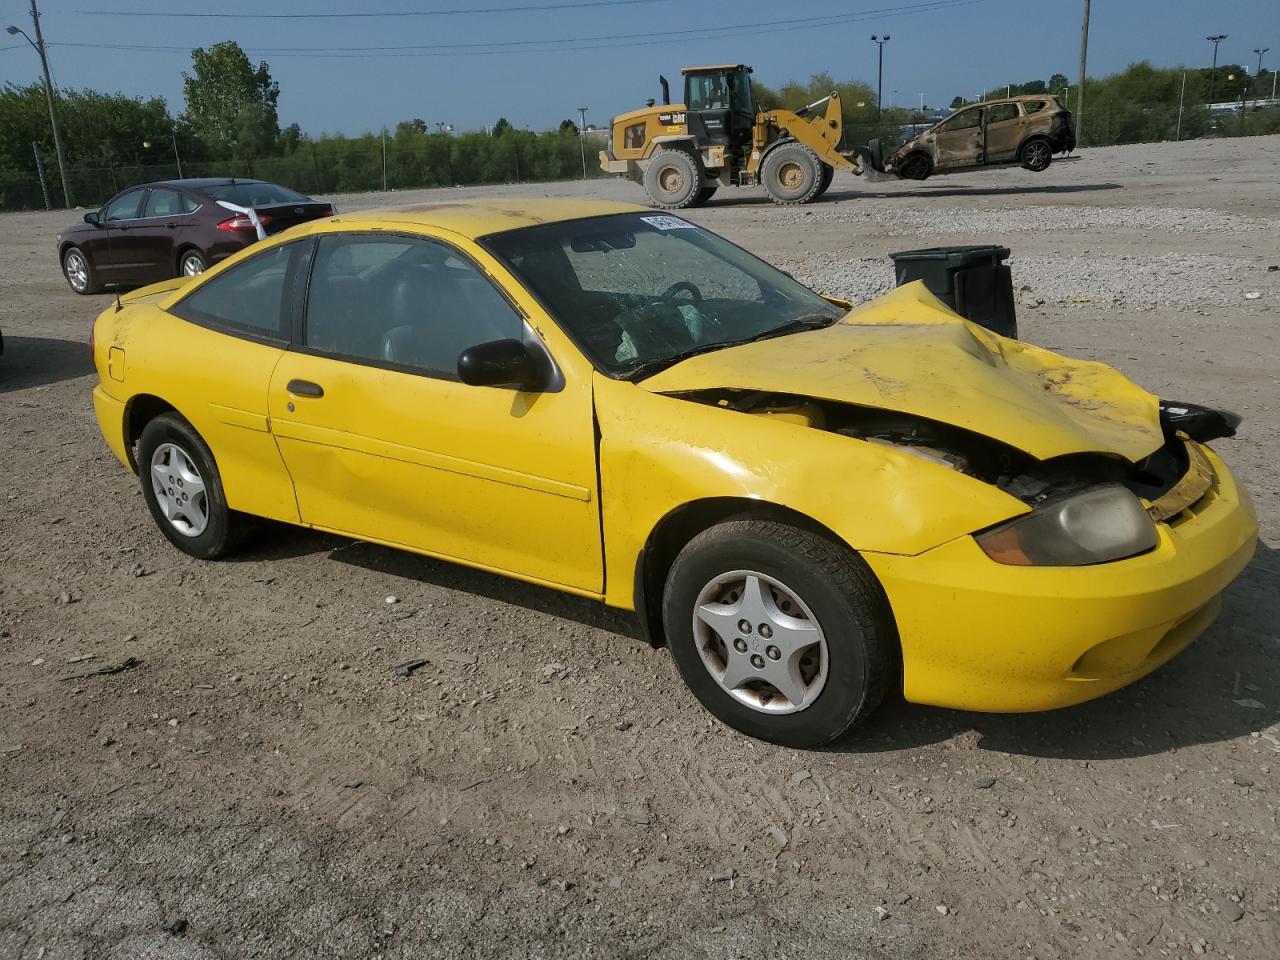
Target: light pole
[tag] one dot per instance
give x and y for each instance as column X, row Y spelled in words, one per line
column 38, row 45
column 1084, row 51
column 880, row 42
column 1260, row 51
column 582, row 140
column 1213, row 72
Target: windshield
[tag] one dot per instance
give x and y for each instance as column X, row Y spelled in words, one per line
column 638, row 292
column 252, row 194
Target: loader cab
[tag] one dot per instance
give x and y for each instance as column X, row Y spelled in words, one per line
column 719, row 105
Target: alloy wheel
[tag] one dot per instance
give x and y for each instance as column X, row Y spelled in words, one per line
column 180, row 490
column 77, row 271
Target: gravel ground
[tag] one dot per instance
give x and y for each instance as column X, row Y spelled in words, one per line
column 261, row 785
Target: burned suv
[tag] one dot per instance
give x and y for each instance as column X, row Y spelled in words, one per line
column 1027, row 130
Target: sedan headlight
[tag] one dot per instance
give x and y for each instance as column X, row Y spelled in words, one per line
column 1097, row 525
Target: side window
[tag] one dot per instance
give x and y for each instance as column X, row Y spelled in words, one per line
column 249, row 297
column 190, row 204
column 1001, row 112
column 964, row 121
column 162, row 203
column 405, row 301
column 124, row 207
column 1033, row 106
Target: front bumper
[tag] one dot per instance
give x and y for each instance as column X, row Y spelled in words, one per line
column 978, row 635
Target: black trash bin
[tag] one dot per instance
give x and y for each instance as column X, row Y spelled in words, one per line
column 972, row 280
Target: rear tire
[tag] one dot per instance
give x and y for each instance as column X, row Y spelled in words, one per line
column 1036, row 155
column 79, row 272
column 191, row 263
column 705, row 194
column 836, row 642
column 174, row 463
column 792, row 173
column 673, row 179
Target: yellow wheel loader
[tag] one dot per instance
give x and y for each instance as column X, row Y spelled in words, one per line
column 683, row 152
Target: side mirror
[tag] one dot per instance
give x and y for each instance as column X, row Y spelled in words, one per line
column 92, row 217
column 501, row 363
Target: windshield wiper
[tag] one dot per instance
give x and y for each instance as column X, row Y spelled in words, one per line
column 810, row 321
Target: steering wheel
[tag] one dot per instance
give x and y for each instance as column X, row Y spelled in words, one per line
column 685, row 285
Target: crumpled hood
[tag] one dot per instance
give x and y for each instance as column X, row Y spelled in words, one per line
column 907, row 352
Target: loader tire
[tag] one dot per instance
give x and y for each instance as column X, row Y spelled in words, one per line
column 673, row 179
column 792, row 173
column 705, row 194
column 828, row 174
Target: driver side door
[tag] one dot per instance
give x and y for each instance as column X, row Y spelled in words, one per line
column 385, row 443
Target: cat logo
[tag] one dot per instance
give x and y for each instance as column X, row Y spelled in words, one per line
column 671, row 119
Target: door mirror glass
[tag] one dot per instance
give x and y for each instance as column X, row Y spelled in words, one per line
column 501, row 363
column 91, row 217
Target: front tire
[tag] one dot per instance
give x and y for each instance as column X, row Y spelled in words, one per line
column 782, row 634
column 673, row 179
column 792, row 173
column 705, row 194
column 79, row 272
column 183, row 489
column 1036, row 155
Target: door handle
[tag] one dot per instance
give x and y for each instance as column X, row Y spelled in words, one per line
column 305, row 388
column 172, row 226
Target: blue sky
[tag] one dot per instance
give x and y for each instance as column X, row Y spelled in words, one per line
column 955, row 46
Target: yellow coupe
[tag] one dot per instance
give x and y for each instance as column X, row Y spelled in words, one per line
column 808, row 503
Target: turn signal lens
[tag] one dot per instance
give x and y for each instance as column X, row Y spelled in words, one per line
column 1097, row 525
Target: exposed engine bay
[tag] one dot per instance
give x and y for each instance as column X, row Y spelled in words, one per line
column 1166, row 471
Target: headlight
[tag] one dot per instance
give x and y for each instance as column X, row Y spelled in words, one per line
column 1097, row 525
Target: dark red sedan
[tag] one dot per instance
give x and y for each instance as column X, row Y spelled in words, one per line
column 172, row 227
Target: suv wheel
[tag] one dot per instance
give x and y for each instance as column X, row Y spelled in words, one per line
column 1036, row 155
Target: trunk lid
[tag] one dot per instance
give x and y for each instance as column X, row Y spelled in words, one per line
column 281, row 216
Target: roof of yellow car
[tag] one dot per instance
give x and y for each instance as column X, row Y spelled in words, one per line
column 476, row 218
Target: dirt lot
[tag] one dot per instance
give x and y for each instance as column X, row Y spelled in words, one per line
column 545, row 787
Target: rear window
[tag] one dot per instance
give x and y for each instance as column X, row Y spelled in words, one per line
column 253, row 194
column 1034, row 106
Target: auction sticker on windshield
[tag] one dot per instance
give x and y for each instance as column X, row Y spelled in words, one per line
column 669, row 223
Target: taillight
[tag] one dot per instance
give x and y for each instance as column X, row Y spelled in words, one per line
column 242, row 224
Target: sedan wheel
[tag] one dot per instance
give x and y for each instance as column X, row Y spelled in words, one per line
column 782, row 633
column 760, row 642
column 179, row 490
column 183, row 489
column 192, row 264
column 79, row 273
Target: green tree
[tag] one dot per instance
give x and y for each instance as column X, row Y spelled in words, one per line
column 501, row 127
column 231, row 105
column 568, row 126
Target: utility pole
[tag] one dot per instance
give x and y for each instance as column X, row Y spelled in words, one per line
column 1084, row 50
column 582, row 140
column 38, row 44
column 173, row 135
column 1213, row 72
column 44, row 184
column 384, row 159
column 880, row 42
column 1181, row 96
column 1260, row 51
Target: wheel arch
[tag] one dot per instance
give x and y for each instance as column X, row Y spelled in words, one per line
column 673, row 532
column 920, row 152
column 182, row 251
column 1038, row 135
column 140, row 410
